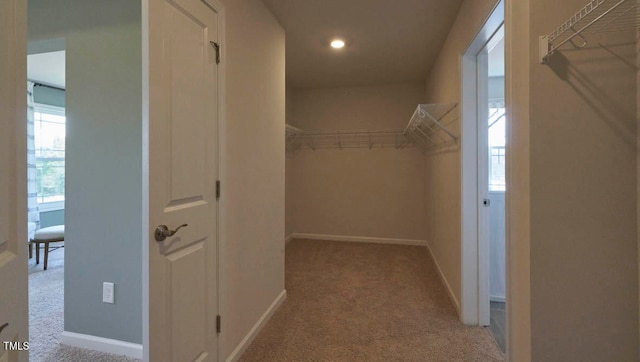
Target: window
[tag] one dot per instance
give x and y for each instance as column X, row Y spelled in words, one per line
column 50, row 130
column 497, row 123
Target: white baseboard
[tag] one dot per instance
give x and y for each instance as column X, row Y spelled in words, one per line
column 360, row 239
column 452, row 296
column 246, row 341
column 101, row 344
column 289, row 239
column 495, row 298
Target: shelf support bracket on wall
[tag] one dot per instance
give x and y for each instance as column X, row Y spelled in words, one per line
column 619, row 16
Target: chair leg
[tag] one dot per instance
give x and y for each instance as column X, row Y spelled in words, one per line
column 37, row 252
column 46, row 254
column 30, row 250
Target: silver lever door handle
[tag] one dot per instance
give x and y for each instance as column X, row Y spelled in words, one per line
column 163, row 232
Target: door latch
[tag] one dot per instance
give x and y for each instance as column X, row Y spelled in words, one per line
column 162, row 232
column 486, row 202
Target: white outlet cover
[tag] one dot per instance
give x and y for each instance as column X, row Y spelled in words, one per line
column 107, row 292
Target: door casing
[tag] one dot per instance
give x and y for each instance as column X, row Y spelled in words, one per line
column 474, row 304
column 13, row 177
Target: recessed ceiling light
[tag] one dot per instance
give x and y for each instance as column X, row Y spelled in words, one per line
column 337, row 44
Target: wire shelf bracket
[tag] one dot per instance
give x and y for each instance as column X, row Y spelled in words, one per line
column 292, row 137
column 428, row 128
column 595, row 17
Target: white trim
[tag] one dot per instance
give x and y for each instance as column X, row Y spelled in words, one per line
column 452, row 295
column 13, row 90
column 222, row 172
column 50, row 109
column 500, row 299
column 482, row 157
column 469, row 192
column 289, row 238
column 517, row 202
column 360, row 239
column 145, row 180
column 50, row 206
column 474, row 311
column 248, row 339
column 101, row 344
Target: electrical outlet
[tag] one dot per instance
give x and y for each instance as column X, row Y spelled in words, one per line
column 107, row 292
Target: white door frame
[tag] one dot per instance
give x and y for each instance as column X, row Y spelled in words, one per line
column 18, row 212
column 13, row 182
column 474, row 304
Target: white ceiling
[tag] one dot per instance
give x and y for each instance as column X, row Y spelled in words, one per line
column 47, row 68
column 385, row 44
column 387, row 41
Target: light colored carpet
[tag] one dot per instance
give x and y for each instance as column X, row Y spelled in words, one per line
column 46, row 316
column 366, row 302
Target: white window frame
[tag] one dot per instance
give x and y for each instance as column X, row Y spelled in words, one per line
column 58, row 111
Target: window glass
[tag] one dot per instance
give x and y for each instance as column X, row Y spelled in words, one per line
column 497, row 142
column 50, row 129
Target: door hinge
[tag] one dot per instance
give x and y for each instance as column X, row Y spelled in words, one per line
column 217, row 190
column 218, row 324
column 216, row 46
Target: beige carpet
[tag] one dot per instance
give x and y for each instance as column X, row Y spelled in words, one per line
column 366, row 302
column 46, row 316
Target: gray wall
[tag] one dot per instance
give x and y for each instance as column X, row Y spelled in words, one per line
column 103, row 198
column 50, row 218
column 103, row 161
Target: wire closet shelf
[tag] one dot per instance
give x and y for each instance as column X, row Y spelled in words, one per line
column 597, row 16
column 427, row 131
column 429, row 127
column 316, row 140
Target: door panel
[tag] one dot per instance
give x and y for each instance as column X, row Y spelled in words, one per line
column 490, row 126
column 483, row 189
column 13, row 193
column 189, row 330
column 183, row 161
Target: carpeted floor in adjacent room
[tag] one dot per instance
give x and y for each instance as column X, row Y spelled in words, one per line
column 46, row 316
column 366, row 302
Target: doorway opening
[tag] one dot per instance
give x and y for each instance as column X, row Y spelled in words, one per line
column 46, row 145
column 484, row 183
column 491, row 177
column 95, row 280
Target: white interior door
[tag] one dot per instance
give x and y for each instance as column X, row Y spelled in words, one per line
column 13, row 194
column 183, row 96
column 491, row 206
column 483, row 189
